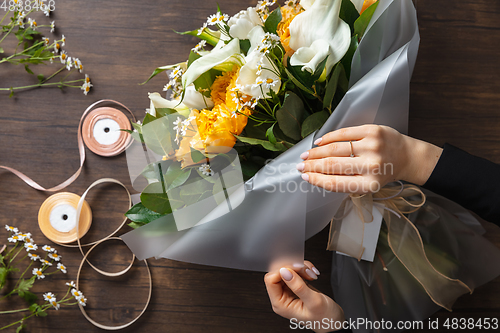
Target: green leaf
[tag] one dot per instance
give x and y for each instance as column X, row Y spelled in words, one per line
column 40, row 78
column 291, row 115
column 197, row 156
column 162, row 112
column 11, row 92
column 155, row 198
column 141, row 214
column 294, row 72
column 176, row 176
column 244, row 45
column 362, row 22
column 136, row 225
column 156, row 72
column 348, row 13
column 314, row 122
column 273, row 20
column 37, row 310
column 156, row 135
column 212, row 40
column 1, row 50
column 270, row 134
column 30, row 297
column 24, row 286
column 205, row 80
column 331, row 86
column 347, row 59
column 4, row 272
column 27, row 68
column 195, row 192
column 280, row 146
column 20, row 327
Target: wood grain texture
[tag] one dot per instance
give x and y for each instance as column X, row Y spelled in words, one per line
column 454, row 98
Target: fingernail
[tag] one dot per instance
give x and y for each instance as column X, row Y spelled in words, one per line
column 305, row 155
column 305, row 176
column 311, row 274
column 318, row 141
column 300, row 166
column 286, row 274
column 315, row 270
column 299, row 265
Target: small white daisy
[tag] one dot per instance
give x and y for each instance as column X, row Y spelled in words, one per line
column 38, row 273
column 15, row 239
column 71, row 284
column 30, row 247
column 57, row 47
column 46, row 41
column 62, row 268
column 54, row 255
column 199, row 46
column 52, row 26
column 45, row 262
column 82, row 300
column 46, row 10
column 78, row 64
column 34, row 256
column 63, row 57
column 32, row 23
column 203, row 27
column 55, row 305
column 49, row 297
column 86, row 88
column 63, row 40
column 69, row 63
column 205, row 169
column 76, row 293
column 47, row 248
column 11, row 229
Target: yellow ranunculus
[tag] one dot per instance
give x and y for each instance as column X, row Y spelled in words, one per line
column 288, row 13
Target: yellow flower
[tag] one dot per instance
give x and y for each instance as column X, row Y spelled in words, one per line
column 367, row 4
column 288, row 13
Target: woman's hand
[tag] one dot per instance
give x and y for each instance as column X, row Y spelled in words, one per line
column 380, row 155
column 291, row 297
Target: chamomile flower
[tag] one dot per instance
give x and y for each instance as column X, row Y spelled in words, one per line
column 49, row 297
column 54, row 255
column 46, row 41
column 78, row 64
column 62, row 268
column 52, row 59
column 14, row 239
column 34, row 256
column 38, row 273
column 32, row 23
column 47, row 248
column 63, row 40
column 217, row 18
column 269, row 82
column 69, row 63
column 82, row 300
column 86, row 87
column 57, row 47
column 176, row 72
column 199, row 46
column 30, row 247
column 71, row 284
column 52, row 26
column 205, row 169
column 76, row 293
column 203, row 27
column 87, row 79
column 22, row 15
column 63, row 57
column 20, row 23
column 45, row 262
column 11, row 229
column 25, row 236
column 46, row 10
column 55, row 305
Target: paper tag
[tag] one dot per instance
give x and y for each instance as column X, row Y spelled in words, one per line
column 372, row 231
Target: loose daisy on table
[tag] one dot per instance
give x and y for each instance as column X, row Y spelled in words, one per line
column 54, row 255
column 76, row 293
column 71, row 284
column 82, row 300
column 62, row 268
column 11, row 229
column 47, row 248
column 14, row 239
column 45, row 262
column 38, row 273
column 55, row 305
column 49, row 297
column 30, row 246
column 52, row 26
column 34, row 256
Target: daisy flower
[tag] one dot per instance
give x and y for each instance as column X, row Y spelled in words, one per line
column 38, row 273
column 47, row 248
column 199, row 46
column 78, row 64
column 20, row 23
column 55, row 305
column 71, row 284
column 63, row 40
column 82, row 300
column 62, row 268
column 15, row 239
column 200, row 30
column 45, row 262
column 32, row 23
column 205, row 169
column 24, row 236
column 11, row 229
column 176, row 72
column 30, row 247
column 86, row 88
column 63, row 57
column 57, row 47
column 34, row 256
column 49, row 297
column 76, row 293
column 52, row 26
column 217, row 18
column 55, row 256
column 46, row 40
column 29, row 240
column 46, row 10
column 69, row 63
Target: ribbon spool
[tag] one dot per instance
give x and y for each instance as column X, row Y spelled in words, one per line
column 57, row 218
column 101, row 131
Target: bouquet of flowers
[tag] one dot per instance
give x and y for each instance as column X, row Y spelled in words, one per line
column 215, row 162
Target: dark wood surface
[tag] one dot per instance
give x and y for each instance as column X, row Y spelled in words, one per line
column 454, row 98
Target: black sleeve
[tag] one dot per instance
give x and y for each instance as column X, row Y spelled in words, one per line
column 470, row 181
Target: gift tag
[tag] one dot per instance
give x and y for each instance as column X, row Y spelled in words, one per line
column 371, row 232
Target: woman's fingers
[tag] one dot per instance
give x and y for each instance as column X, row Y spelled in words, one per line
column 334, row 166
column 274, row 286
column 344, row 134
column 298, row 286
column 335, row 149
column 345, row 184
column 306, row 270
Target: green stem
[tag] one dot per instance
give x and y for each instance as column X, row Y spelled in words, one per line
column 17, row 322
column 14, row 257
column 19, row 280
column 55, row 73
column 3, row 18
column 21, row 53
column 14, row 311
column 11, row 250
column 44, row 85
column 8, row 32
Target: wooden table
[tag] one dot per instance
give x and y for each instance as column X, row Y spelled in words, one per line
column 454, row 98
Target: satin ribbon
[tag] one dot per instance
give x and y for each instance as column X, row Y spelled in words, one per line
column 81, row 150
column 403, row 238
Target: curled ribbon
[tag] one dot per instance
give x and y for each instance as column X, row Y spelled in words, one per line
column 403, row 238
